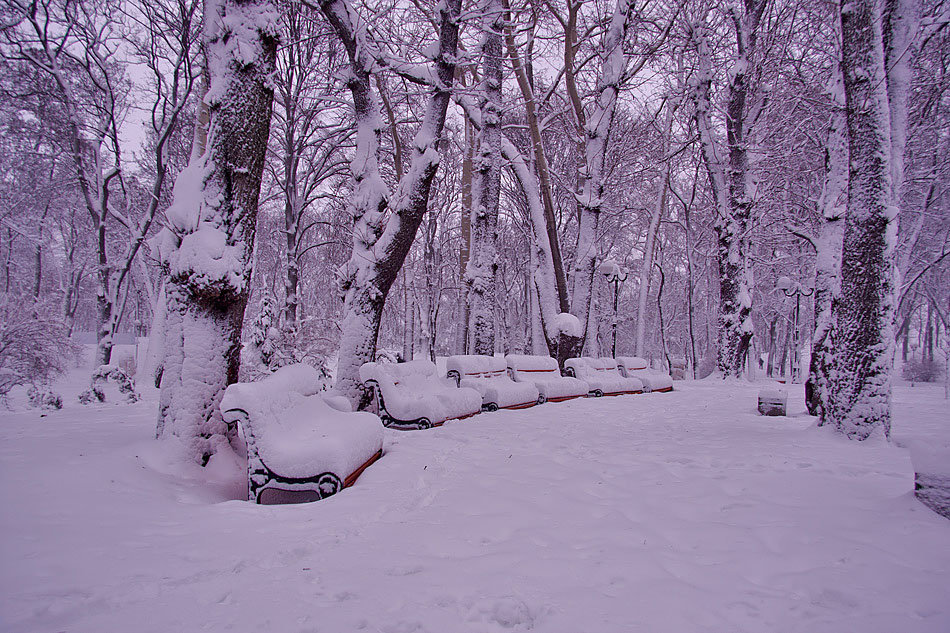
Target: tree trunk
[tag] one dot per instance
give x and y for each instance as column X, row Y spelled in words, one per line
column 865, row 307
column 216, row 201
column 833, row 206
column 541, row 165
column 483, row 264
column 590, row 202
column 731, row 187
column 648, row 251
column 929, row 335
column 379, row 249
column 465, row 248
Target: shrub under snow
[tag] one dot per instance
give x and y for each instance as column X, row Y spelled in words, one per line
column 34, row 346
column 921, row 370
column 103, row 374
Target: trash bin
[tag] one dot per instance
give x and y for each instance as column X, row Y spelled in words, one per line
column 772, row 401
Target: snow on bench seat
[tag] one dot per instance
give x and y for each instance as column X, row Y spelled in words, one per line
column 543, row 373
column 412, row 395
column 602, row 376
column 489, row 376
column 299, row 441
column 653, row 379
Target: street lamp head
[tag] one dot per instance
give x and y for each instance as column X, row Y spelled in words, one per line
column 783, row 283
column 612, row 271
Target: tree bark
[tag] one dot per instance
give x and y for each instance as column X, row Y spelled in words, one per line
column 483, row 263
column 379, row 249
column 211, row 267
column 865, row 307
column 731, row 185
column 833, row 206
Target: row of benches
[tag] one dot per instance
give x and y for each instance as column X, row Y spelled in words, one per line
column 310, row 445
column 413, row 395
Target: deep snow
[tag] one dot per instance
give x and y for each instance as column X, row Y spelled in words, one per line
column 683, row 511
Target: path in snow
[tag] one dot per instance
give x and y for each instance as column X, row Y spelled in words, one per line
column 660, row 512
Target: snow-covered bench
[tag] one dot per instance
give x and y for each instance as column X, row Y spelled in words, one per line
column 602, row 376
column 413, row 396
column 543, row 373
column 297, row 440
column 489, row 376
column 652, row 379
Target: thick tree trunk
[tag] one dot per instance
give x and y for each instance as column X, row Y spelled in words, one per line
column 483, row 264
column 203, row 343
column 732, row 187
column 465, row 248
column 861, row 398
column 215, row 211
column 770, row 362
column 104, row 302
column 291, row 231
column 379, row 249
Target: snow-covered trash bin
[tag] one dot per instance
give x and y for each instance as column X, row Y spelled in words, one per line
column 300, row 447
column 412, row 395
column 652, row 379
column 544, row 374
column 602, row 376
column 772, row 401
column 489, row 376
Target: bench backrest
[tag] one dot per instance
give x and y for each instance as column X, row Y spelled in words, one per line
column 590, row 366
column 632, row 363
column 525, row 367
column 414, row 376
column 260, row 403
column 474, row 366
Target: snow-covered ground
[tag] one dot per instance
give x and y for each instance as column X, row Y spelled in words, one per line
column 679, row 512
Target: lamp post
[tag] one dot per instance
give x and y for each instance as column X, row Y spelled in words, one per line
column 794, row 289
column 616, row 276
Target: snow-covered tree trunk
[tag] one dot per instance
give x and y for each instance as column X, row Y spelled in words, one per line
column 735, row 282
column 379, row 249
column 543, row 185
column 214, row 215
column 899, row 27
column 861, row 398
column 590, row 201
column 483, row 263
column 646, row 270
column 543, row 268
column 155, row 351
column 731, row 183
column 715, row 170
column 832, row 206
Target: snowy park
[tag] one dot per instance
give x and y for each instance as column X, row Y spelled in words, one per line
column 449, row 316
column 679, row 511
